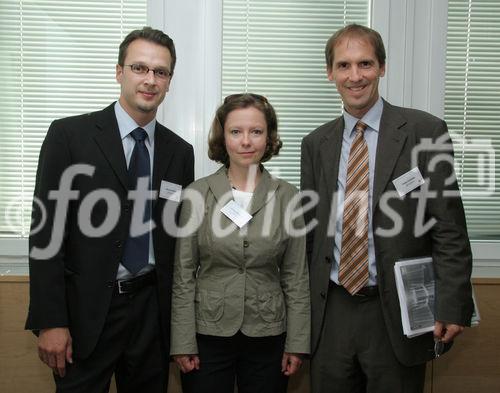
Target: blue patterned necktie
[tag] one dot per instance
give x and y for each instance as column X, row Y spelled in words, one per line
column 136, row 253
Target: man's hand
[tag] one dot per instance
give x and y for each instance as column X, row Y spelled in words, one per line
column 446, row 332
column 55, row 349
column 187, row 363
column 290, row 364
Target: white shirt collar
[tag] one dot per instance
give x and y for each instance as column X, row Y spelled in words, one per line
column 126, row 124
column 371, row 118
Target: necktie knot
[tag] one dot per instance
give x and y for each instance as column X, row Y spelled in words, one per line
column 139, row 134
column 360, row 127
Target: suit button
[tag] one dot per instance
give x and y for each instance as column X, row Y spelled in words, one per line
column 328, row 259
column 323, row 295
column 118, row 244
column 241, row 270
column 245, row 243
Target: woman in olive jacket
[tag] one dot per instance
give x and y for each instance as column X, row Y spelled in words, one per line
column 240, row 303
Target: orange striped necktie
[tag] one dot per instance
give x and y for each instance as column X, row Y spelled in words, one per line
column 353, row 269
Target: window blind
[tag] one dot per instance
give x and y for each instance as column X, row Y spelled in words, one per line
column 276, row 48
column 58, row 59
column 472, row 109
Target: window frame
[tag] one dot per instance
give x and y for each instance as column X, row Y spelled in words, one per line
column 196, row 28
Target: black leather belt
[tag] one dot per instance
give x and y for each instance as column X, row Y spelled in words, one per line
column 370, row 291
column 134, row 284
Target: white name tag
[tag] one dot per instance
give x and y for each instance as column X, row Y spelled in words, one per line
column 236, row 214
column 170, row 191
column 408, row 181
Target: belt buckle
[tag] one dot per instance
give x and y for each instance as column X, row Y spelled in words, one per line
column 120, row 290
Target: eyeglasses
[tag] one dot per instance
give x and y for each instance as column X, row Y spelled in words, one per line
column 257, row 97
column 141, row 69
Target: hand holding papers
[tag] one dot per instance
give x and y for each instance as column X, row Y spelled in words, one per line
column 416, row 291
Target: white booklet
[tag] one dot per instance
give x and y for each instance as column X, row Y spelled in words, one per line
column 416, row 287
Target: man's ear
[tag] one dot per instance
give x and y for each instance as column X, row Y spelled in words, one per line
column 329, row 73
column 119, row 73
column 382, row 71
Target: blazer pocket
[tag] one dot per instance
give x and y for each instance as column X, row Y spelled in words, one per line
column 271, row 304
column 209, row 305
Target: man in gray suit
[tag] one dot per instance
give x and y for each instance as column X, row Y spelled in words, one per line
column 364, row 222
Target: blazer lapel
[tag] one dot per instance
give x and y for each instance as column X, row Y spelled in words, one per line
column 110, row 143
column 390, row 142
column 330, row 148
column 220, row 186
column 164, row 152
column 264, row 192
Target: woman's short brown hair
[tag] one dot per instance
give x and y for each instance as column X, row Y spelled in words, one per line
column 216, row 143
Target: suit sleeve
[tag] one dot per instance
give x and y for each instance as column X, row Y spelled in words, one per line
column 188, row 167
column 47, row 284
column 186, row 262
column 307, row 183
column 451, row 250
column 295, row 284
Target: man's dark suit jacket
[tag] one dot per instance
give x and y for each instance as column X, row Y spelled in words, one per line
column 401, row 129
column 74, row 287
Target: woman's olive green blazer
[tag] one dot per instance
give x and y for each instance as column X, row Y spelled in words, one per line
column 254, row 279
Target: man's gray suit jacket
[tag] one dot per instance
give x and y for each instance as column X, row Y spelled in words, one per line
column 401, row 131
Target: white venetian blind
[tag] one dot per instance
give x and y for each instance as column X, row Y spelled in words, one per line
column 472, row 109
column 57, row 59
column 276, row 49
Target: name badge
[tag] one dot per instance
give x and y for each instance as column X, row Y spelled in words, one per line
column 408, row 181
column 170, row 191
column 236, row 214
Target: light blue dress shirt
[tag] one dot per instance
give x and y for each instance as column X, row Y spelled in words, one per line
column 126, row 125
column 372, row 120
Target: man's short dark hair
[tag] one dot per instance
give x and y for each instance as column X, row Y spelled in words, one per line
column 216, row 142
column 152, row 35
column 359, row 31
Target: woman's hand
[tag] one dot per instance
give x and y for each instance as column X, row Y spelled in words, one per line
column 187, row 363
column 290, row 363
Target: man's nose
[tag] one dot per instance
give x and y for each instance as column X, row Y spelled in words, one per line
column 355, row 74
column 150, row 77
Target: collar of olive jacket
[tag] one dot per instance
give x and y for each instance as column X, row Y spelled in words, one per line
column 264, row 192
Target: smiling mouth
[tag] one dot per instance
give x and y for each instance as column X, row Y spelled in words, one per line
column 356, row 88
column 148, row 93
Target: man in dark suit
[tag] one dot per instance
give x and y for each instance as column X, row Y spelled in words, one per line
column 364, row 222
column 102, row 245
